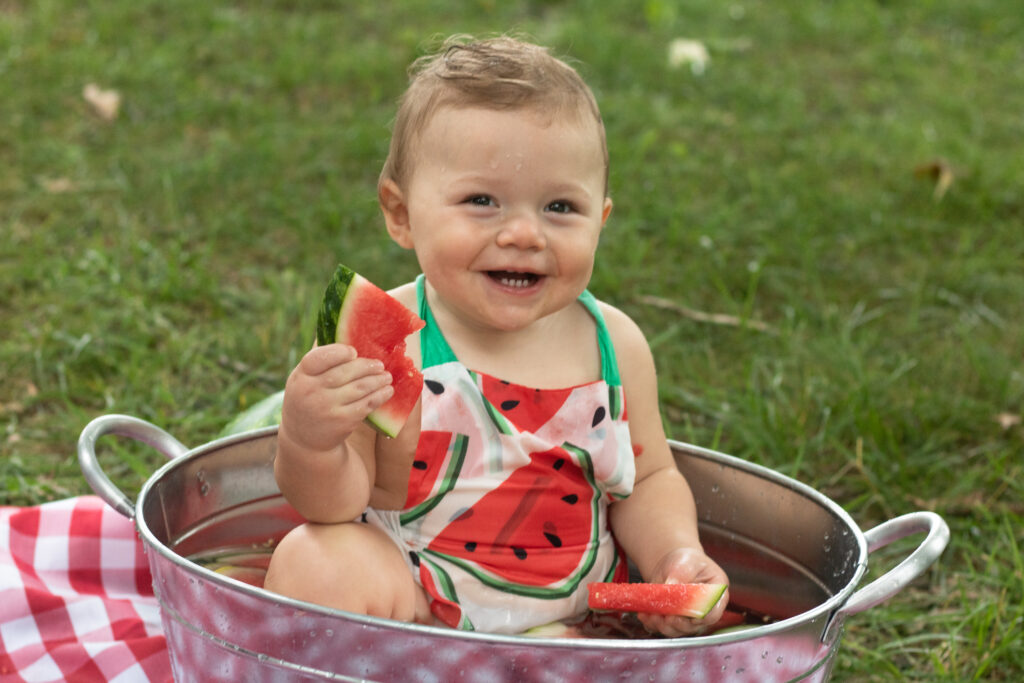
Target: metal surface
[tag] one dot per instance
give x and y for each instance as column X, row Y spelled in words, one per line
column 789, row 551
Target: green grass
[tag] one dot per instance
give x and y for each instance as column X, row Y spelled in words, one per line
column 167, row 264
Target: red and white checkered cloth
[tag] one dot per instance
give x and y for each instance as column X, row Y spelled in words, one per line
column 76, row 597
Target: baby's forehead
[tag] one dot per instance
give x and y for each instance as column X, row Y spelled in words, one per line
column 544, row 117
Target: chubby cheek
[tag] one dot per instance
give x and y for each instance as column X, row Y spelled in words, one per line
column 446, row 259
column 576, row 261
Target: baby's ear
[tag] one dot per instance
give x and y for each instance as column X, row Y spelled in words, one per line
column 396, row 212
column 606, row 210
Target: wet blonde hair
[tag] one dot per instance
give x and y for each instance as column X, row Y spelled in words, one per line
column 502, row 73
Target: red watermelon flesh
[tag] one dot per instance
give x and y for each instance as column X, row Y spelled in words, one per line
column 693, row 600
column 357, row 312
column 535, row 529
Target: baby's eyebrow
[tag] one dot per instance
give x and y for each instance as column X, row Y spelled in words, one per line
column 570, row 188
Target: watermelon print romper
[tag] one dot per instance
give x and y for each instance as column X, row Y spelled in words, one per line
column 505, row 522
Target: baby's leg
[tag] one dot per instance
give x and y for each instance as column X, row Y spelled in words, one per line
column 349, row 566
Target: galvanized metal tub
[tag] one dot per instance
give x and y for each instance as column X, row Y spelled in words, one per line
column 789, row 551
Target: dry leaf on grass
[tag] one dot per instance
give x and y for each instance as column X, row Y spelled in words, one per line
column 940, row 172
column 1008, row 420
column 683, row 51
column 57, row 185
column 104, row 103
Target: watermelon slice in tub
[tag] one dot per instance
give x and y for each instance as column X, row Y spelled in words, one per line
column 356, row 312
column 693, row 600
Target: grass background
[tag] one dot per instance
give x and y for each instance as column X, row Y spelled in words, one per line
column 167, row 264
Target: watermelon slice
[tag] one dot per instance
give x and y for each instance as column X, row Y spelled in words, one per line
column 264, row 413
column 254, row 576
column 356, row 312
column 693, row 600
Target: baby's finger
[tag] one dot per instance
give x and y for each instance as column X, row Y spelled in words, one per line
column 366, row 374
column 671, row 626
column 361, row 406
column 361, row 388
column 321, row 359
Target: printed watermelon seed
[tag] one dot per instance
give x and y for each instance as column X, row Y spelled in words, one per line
column 598, row 416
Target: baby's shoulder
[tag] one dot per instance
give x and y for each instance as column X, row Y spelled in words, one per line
column 632, row 352
column 625, row 334
column 406, row 294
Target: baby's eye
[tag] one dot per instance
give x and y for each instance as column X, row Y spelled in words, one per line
column 480, row 200
column 560, row 206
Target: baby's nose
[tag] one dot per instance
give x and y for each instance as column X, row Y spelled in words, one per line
column 522, row 230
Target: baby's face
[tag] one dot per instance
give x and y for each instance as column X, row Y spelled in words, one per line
column 505, row 211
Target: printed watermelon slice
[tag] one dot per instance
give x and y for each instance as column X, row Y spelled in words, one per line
column 527, row 409
column 693, row 600
column 534, row 534
column 356, row 312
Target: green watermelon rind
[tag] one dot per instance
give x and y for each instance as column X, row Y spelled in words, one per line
column 331, row 318
column 264, row 413
column 331, row 305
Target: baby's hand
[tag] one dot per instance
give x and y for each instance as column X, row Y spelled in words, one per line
column 685, row 565
column 329, row 393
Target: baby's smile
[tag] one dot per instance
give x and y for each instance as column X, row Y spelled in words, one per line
column 515, row 279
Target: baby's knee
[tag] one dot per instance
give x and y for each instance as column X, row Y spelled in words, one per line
column 350, row 566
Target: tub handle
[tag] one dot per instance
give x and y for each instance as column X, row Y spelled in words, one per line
column 120, row 425
column 896, row 579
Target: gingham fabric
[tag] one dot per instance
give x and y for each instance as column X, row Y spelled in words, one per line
column 76, row 597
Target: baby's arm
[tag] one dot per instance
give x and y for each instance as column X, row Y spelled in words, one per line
column 657, row 524
column 324, row 464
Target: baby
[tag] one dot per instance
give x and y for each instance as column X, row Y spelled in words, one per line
column 518, row 478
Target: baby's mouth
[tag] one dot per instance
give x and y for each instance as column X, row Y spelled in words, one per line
column 513, row 279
